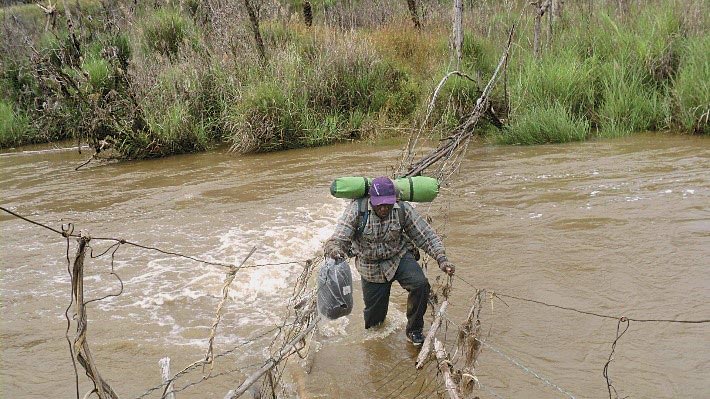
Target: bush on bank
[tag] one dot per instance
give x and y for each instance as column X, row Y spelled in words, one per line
column 185, row 77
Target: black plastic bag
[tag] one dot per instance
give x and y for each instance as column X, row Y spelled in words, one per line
column 335, row 289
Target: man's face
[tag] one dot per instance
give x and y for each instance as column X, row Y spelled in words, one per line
column 382, row 210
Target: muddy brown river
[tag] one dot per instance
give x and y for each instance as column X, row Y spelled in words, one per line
column 619, row 228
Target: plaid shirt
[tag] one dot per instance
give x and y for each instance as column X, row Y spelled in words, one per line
column 382, row 243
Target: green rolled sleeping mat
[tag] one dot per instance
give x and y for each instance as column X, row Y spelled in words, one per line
column 413, row 189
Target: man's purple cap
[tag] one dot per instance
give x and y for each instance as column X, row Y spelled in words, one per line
column 382, row 191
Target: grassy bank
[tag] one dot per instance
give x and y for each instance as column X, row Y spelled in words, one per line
column 178, row 76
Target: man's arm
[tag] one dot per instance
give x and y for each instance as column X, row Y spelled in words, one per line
column 424, row 236
column 338, row 245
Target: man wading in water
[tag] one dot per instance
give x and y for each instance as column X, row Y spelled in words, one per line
column 380, row 233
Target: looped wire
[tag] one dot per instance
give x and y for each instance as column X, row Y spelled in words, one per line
column 67, row 229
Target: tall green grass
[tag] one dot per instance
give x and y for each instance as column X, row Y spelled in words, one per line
column 334, row 94
column 628, row 104
column 541, row 124
column 14, row 127
column 692, row 86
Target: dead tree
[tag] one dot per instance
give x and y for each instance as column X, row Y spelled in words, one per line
column 454, row 146
column 445, row 368
column 469, row 345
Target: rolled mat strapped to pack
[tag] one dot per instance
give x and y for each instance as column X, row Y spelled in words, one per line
column 413, row 189
column 335, row 289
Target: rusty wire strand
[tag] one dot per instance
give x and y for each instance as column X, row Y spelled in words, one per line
column 605, row 372
column 497, row 294
column 115, row 247
column 70, row 233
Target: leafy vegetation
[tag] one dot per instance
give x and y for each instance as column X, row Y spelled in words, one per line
column 155, row 79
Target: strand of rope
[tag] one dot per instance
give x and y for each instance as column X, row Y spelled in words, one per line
column 69, row 232
column 596, row 314
column 609, row 385
column 526, row 369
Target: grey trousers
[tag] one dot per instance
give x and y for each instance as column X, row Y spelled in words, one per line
column 377, row 295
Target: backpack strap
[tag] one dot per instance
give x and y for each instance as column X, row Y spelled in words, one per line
column 401, row 214
column 362, row 215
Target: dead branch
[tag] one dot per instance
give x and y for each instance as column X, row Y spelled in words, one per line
column 445, row 368
column 286, row 350
column 464, row 132
column 426, row 346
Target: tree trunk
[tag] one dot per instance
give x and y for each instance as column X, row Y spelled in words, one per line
column 412, row 5
column 557, row 6
column 536, row 38
column 254, row 18
column 308, row 13
column 457, row 37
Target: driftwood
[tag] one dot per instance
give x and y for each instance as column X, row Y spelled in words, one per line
column 285, row 351
column 80, row 347
column 445, row 368
column 426, row 346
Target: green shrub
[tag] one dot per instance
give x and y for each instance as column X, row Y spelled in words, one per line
column 545, row 124
column 691, row 88
column 98, row 74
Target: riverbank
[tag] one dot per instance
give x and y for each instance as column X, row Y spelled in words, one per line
column 182, row 77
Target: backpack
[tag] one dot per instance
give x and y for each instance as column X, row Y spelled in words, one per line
column 363, row 214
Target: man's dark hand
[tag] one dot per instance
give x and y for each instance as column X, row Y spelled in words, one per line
column 336, row 254
column 447, row 267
